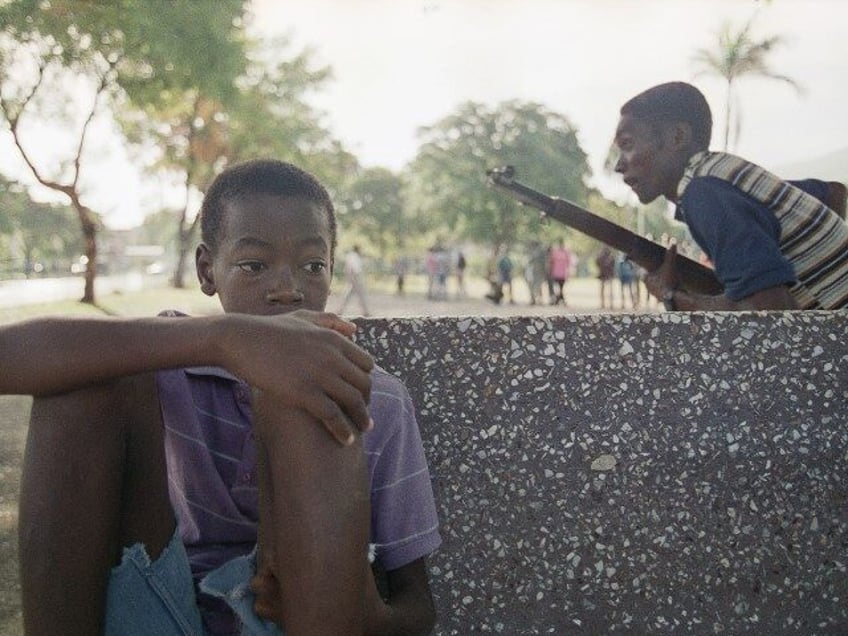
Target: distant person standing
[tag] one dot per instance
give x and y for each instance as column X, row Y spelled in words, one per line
column 606, row 272
column 559, row 265
column 461, row 264
column 536, row 271
column 629, row 280
column 401, row 266
column 501, row 278
column 505, row 266
column 443, row 267
column 431, row 264
column 356, row 281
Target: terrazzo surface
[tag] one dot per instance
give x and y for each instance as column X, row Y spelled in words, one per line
column 664, row 473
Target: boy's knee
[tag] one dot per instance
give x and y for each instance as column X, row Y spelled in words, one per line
column 88, row 418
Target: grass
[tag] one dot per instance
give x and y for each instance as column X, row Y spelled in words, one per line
column 147, row 302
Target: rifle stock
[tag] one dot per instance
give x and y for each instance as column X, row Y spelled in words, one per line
column 693, row 276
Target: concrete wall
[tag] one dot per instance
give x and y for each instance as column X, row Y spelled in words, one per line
column 664, row 473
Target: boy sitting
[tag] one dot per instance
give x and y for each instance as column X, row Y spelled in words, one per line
column 148, row 426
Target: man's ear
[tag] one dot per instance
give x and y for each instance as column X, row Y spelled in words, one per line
column 680, row 134
column 205, row 274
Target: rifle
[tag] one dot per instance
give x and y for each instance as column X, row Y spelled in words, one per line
column 693, row 276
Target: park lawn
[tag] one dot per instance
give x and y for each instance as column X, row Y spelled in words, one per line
column 147, row 302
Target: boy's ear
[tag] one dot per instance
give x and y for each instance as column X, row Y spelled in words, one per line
column 205, row 274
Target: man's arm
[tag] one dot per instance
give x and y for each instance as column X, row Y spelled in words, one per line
column 773, row 298
column 664, row 285
column 305, row 358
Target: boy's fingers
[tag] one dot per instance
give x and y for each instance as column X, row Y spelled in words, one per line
column 325, row 409
column 340, row 428
column 336, row 323
column 266, row 590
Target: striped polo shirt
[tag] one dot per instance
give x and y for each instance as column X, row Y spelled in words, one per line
column 813, row 238
column 211, row 460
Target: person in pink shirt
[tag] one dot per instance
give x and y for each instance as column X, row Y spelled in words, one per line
column 559, row 262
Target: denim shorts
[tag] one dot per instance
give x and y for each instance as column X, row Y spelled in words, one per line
column 152, row 597
column 157, row 597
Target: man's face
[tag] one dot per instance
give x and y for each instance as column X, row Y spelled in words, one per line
column 273, row 256
column 648, row 160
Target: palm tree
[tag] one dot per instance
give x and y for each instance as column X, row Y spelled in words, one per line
column 739, row 54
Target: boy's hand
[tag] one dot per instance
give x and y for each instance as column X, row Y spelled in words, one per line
column 307, row 359
column 266, row 588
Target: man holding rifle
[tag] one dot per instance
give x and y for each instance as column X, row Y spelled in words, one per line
column 774, row 245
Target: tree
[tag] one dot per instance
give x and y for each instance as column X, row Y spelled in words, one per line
column 261, row 112
column 374, row 207
column 137, row 48
column 738, row 54
column 448, row 175
column 35, row 234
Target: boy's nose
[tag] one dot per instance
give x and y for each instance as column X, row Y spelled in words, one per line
column 285, row 291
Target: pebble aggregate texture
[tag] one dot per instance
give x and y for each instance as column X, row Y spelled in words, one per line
column 681, row 473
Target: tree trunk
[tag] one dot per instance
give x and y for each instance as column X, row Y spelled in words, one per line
column 184, row 243
column 89, row 232
column 727, row 114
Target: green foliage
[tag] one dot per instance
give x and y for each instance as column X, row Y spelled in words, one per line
column 155, row 45
column 272, row 116
column 448, row 176
column 32, row 232
column 198, row 131
column 374, row 209
column 158, row 229
column 146, row 54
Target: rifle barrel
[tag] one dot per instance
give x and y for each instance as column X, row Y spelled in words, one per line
column 647, row 254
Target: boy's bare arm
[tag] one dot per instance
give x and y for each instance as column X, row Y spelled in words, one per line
column 305, row 358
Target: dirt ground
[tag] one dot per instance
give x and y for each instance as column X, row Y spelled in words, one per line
column 14, row 410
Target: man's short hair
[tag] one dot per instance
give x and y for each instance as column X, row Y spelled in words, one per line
column 674, row 102
column 260, row 176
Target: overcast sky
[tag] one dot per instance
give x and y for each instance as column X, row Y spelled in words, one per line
column 401, row 64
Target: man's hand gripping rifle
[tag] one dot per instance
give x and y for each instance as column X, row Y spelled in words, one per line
column 692, row 276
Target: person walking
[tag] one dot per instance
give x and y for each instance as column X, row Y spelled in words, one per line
column 356, row 282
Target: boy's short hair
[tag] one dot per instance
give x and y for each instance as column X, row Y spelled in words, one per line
column 260, row 176
column 674, row 102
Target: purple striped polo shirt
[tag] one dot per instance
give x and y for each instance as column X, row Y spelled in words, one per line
column 212, row 471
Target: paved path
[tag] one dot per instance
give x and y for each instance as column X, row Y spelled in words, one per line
column 582, row 295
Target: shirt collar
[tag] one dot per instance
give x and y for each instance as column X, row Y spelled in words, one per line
column 217, row 372
column 688, row 174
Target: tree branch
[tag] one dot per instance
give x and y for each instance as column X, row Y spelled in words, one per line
column 101, row 88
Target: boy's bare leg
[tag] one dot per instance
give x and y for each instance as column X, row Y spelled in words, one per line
column 94, row 481
column 315, row 518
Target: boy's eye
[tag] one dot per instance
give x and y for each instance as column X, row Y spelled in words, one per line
column 315, row 267
column 251, row 267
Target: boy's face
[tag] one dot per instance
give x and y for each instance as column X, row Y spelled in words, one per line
column 650, row 160
column 273, row 256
